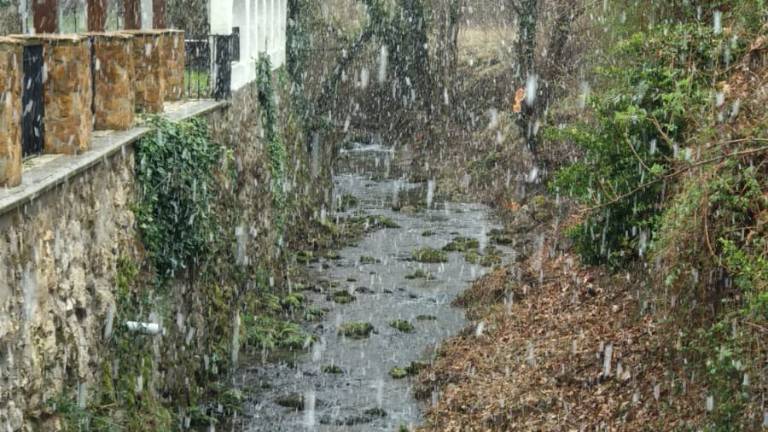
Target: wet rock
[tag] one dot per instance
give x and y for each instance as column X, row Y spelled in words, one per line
column 427, row 233
column 426, row 318
column 366, row 416
column 364, row 290
column 332, row 369
column 296, row 401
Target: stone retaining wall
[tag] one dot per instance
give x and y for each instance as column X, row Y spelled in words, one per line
column 114, row 98
column 11, row 70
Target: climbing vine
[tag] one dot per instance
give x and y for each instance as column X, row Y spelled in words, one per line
column 275, row 147
column 176, row 188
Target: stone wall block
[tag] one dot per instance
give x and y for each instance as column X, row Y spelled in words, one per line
column 11, row 71
column 149, row 82
column 114, row 100
column 66, row 92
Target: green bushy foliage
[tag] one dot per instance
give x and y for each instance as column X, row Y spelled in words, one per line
column 640, row 117
column 175, row 167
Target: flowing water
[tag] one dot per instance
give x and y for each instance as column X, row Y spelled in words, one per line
column 364, row 397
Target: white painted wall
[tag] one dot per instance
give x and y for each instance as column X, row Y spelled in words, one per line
column 263, row 25
column 221, row 17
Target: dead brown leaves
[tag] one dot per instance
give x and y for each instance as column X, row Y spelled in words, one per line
column 539, row 362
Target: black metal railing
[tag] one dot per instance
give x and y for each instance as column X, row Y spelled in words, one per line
column 208, row 69
column 235, row 44
column 32, row 100
column 223, row 67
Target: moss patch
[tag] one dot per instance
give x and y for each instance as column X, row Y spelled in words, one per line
column 403, row 326
column 429, row 255
column 343, row 297
column 420, row 274
column 356, row 330
column 462, row 244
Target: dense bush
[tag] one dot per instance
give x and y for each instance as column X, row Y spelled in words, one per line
column 640, row 116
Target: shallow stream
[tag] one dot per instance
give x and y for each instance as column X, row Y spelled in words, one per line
column 364, row 397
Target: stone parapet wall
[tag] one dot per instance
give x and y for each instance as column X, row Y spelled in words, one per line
column 58, row 258
column 11, row 71
column 114, row 98
column 174, row 55
column 67, row 92
column 149, row 67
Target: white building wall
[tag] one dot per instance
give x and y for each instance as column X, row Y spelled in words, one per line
column 262, row 30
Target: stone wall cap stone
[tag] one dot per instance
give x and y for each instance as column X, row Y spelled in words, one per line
column 31, row 39
column 144, row 32
column 108, row 35
column 5, row 40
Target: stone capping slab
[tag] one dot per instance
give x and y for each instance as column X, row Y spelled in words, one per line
column 41, row 178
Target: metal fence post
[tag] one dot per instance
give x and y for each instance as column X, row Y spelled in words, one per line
column 223, row 67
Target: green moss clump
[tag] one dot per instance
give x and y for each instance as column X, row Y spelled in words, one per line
column 343, row 297
column 385, row 222
column 472, row 257
column 426, row 318
column 332, row 255
column 313, row 313
column 412, row 369
column 430, row 255
column 420, row 274
column 356, row 330
column 365, row 259
column 462, row 244
column 500, row 237
column 398, row 372
column 346, row 202
column 292, row 301
column 306, row 257
column 403, row 326
column 332, row 369
column 427, row 233
column 269, row 333
column 490, row 260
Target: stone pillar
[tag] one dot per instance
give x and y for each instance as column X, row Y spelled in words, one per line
column 97, row 15
column 68, row 92
column 132, row 16
column 45, row 16
column 174, row 56
column 11, row 72
column 149, row 66
column 158, row 14
column 113, row 74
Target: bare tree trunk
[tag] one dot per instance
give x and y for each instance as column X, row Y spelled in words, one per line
column 528, row 20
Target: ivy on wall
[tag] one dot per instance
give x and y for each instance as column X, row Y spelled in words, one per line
column 275, row 148
column 176, row 188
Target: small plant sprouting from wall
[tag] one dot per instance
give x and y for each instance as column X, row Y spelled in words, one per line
column 176, row 187
column 275, row 147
